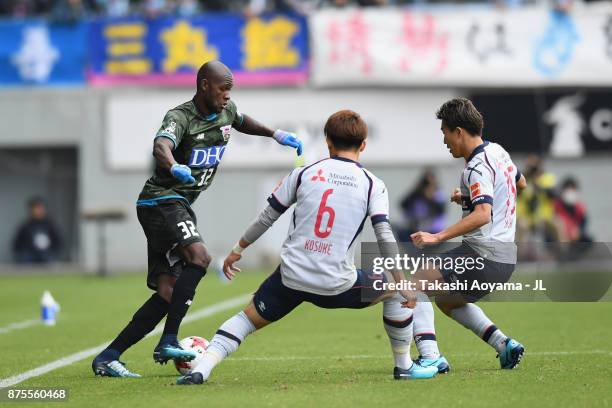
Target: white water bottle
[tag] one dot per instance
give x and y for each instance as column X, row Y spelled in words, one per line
column 48, row 309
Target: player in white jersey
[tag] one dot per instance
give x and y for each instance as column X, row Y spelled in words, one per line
column 332, row 197
column 487, row 194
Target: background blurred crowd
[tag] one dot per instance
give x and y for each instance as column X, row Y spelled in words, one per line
column 549, row 210
column 66, row 10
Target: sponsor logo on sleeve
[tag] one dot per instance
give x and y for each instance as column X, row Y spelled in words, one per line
column 475, row 190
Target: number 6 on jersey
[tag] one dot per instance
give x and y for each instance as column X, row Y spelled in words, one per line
column 323, row 208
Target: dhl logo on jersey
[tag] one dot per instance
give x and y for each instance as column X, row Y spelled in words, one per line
column 207, row 157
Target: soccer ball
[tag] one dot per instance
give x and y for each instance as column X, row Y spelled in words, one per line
column 192, row 343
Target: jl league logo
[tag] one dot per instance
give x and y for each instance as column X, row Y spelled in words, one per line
column 225, row 131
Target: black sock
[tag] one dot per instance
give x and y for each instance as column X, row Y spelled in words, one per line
column 144, row 320
column 182, row 295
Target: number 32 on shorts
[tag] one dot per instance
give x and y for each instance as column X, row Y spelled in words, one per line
column 188, row 228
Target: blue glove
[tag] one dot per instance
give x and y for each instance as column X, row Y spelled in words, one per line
column 182, row 173
column 288, row 139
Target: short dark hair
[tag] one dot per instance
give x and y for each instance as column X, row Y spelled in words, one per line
column 461, row 112
column 346, row 130
column 569, row 182
column 34, row 201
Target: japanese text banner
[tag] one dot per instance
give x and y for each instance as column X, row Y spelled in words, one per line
column 268, row 50
column 466, row 47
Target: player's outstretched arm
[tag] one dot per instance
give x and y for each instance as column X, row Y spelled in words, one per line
column 252, row 127
column 263, row 222
column 479, row 217
column 229, row 269
column 388, row 248
column 162, row 151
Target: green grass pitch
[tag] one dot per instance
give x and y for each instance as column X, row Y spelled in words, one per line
column 313, row 357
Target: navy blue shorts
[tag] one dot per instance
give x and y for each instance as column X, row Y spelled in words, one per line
column 481, row 270
column 273, row 300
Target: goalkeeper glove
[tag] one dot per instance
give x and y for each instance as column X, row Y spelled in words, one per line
column 182, row 173
column 288, row 139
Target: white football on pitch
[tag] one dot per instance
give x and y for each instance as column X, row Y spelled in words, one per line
column 195, row 344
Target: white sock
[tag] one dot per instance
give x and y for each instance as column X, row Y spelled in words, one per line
column 424, row 329
column 398, row 324
column 226, row 341
column 473, row 318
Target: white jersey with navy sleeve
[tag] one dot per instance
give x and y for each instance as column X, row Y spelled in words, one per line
column 490, row 176
column 333, row 198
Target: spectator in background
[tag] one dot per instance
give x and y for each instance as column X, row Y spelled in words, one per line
column 19, row 8
column 562, row 6
column 25, row 8
column 156, row 8
column 36, row 240
column 352, row 3
column 372, row 3
column 257, row 7
column 114, row 8
column 222, row 5
column 504, row 4
column 536, row 213
column 423, row 208
column 69, row 11
column 571, row 213
column 334, row 3
column 186, row 8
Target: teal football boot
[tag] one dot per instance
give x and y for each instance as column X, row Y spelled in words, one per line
column 416, row 372
column 441, row 363
column 171, row 351
column 111, row 368
column 511, row 355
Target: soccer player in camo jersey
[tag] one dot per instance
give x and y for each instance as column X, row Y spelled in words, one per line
column 489, row 184
column 187, row 149
column 333, row 198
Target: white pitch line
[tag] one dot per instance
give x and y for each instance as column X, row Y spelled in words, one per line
column 375, row 357
column 73, row 358
column 19, row 325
